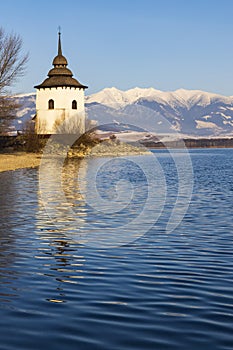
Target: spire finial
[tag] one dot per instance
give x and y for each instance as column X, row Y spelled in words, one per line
column 59, row 41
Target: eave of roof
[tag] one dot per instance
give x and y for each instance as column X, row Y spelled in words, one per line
column 60, row 81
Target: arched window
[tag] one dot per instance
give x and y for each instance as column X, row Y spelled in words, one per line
column 74, row 104
column 51, row 104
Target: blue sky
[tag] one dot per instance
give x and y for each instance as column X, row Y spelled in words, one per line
column 165, row 44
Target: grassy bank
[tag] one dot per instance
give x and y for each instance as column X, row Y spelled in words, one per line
column 18, row 160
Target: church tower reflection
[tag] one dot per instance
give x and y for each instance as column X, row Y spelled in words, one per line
column 60, row 216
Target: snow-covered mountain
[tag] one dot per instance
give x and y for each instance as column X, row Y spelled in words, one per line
column 190, row 112
column 26, row 111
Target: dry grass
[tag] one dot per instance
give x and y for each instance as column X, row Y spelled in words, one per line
column 13, row 161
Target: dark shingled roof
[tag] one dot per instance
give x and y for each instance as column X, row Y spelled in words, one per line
column 60, row 75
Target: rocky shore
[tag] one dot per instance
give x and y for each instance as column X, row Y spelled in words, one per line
column 108, row 149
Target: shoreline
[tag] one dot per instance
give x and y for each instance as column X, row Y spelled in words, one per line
column 20, row 160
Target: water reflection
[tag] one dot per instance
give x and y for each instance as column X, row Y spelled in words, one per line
column 60, row 264
column 59, row 192
column 103, row 202
column 61, row 207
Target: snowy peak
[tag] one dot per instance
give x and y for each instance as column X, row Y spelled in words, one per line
column 192, row 112
column 111, row 97
column 30, row 94
column 116, row 98
column 193, row 97
column 188, row 98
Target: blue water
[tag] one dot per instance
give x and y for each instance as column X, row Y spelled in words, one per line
column 160, row 291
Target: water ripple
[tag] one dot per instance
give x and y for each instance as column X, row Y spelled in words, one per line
column 163, row 291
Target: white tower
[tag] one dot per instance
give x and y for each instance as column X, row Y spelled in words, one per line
column 60, row 100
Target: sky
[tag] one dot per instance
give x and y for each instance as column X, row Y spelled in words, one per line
column 164, row 44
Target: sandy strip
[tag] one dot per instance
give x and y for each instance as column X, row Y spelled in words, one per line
column 13, row 161
column 19, row 160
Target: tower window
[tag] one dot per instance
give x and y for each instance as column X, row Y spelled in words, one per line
column 74, row 104
column 51, row 104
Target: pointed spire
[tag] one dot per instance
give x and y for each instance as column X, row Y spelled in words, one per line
column 59, row 60
column 59, row 42
column 60, row 75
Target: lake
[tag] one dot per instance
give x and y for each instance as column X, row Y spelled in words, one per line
column 87, row 260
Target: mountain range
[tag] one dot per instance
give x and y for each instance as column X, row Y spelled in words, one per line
column 192, row 113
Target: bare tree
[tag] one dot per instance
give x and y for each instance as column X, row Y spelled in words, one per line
column 72, row 125
column 12, row 66
column 12, row 62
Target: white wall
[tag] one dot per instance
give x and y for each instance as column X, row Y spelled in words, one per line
column 63, row 97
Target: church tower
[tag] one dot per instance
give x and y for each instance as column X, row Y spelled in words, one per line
column 60, row 100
